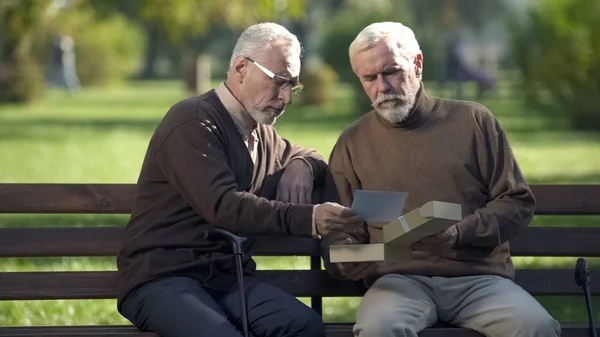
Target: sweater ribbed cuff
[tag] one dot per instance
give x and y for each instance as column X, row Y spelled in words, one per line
column 300, row 220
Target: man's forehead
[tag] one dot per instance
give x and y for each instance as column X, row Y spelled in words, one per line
column 292, row 65
column 281, row 63
column 376, row 59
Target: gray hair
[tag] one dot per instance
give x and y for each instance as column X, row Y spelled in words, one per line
column 263, row 36
column 371, row 35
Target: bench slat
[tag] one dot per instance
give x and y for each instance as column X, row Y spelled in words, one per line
column 93, row 331
column 117, row 198
column 80, row 331
column 66, row 198
column 567, row 199
column 568, row 330
column 105, row 241
column 301, row 283
column 128, row 330
column 333, row 330
column 557, row 241
column 118, row 331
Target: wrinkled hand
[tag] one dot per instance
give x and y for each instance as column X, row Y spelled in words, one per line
column 333, row 217
column 354, row 270
column 436, row 243
column 296, row 183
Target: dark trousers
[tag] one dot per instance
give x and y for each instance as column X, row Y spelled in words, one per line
column 182, row 307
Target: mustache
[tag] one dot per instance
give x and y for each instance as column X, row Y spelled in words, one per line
column 277, row 107
column 386, row 97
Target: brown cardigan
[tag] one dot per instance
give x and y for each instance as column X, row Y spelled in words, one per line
column 198, row 172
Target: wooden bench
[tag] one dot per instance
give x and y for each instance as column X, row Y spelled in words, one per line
column 313, row 283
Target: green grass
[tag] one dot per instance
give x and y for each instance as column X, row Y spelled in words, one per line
column 100, row 135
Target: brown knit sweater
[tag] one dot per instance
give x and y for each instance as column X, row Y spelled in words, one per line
column 198, row 173
column 452, row 151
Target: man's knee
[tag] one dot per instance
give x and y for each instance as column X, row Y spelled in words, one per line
column 383, row 325
column 177, row 306
column 306, row 322
column 535, row 324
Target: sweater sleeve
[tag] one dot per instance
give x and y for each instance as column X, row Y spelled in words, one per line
column 343, row 178
column 193, row 160
column 340, row 185
column 289, row 152
column 511, row 203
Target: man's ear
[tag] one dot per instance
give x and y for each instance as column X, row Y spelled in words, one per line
column 419, row 65
column 239, row 69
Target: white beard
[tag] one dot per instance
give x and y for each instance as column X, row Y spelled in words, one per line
column 262, row 117
column 397, row 113
column 394, row 112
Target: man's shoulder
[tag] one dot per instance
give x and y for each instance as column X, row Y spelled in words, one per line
column 184, row 111
column 470, row 113
column 188, row 109
column 465, row 107
column 353, row 130
column 194, row 107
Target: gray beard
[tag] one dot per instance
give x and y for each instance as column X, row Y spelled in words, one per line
column 262, row 117
column 398, row 113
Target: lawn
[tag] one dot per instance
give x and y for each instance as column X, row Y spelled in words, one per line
column 100, row 135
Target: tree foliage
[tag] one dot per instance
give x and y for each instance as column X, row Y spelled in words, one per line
column 18, row 21
column 447, row 15
column 178, row 18
column 109, row 48
column 21, row 76
column 556, row 50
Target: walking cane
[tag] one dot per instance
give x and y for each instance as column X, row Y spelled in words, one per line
column 236, row 245
column 582, row 279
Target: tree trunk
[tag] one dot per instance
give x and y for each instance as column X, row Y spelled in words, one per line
column 151, row 56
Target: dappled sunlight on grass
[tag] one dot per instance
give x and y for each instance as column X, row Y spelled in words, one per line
column 101, row 136
column 551, row 262
column 60, row 312
column 63, row 220
column 566, row 221
column 282, row 263
column 58, row 264
column 340, row 309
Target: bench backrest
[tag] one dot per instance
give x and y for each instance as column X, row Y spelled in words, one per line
column 314, row 283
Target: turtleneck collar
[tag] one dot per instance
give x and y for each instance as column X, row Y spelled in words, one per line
column 418, row 114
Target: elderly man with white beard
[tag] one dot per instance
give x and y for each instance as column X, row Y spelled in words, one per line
column 434, row 149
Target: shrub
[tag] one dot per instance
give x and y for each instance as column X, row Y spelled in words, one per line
column 556, row 50
column 320, row 81
column 21, row 74
column 21, row 80
column 108, row 49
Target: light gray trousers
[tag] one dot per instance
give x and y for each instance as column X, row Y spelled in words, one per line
column 399, row 305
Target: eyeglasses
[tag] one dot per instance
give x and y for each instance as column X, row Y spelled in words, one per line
column 280, row 81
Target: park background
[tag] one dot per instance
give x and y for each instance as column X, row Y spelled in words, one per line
column 533, row 63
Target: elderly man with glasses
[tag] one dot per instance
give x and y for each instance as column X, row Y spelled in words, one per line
column 215, row 160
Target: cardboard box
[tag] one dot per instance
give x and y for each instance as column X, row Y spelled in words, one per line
column 398, row 235
column 368, row 252
column 429, row 219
